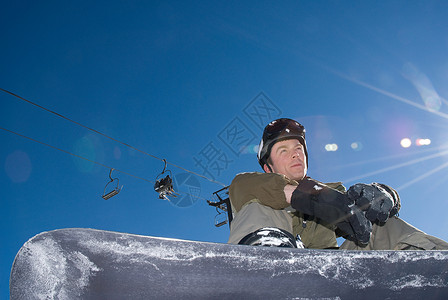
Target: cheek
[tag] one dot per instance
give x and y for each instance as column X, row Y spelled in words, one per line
column 280, row 164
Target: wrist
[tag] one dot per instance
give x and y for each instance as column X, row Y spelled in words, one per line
column 289, row 189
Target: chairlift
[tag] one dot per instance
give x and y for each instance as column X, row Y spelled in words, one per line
column 116, row 188
column 221, row 218
column 164, row 186
column 223, row 207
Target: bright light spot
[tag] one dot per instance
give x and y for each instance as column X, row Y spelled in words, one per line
column 85, row 147
column 249, row 149
column 423, row 142
column 433, row 103
column 255, row 148
column 18, row 166
column 244, row 150
column 331, row 147
column 406, row 143
column 357, row 146
column 117, row 153
column 424, row 86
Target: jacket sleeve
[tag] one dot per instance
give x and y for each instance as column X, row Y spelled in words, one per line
column 337, row 186
column 266, row 188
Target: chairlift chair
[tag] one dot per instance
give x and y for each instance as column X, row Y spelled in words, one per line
column 115, row 190
column 164, row 186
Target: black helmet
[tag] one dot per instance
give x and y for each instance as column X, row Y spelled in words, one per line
column 280, row 130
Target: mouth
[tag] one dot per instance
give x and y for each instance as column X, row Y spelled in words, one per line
column 296, row 165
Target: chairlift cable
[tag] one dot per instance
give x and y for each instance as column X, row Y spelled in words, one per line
column 76, row 155
column 109, row 137
column 89, row 160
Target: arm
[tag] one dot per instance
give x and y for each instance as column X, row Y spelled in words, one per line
column 267, row 188
column 288, row 190
column 317, row 199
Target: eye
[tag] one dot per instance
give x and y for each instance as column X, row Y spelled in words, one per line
column 281, row 151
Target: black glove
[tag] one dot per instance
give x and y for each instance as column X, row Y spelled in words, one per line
column 378, row 200
column 316, row 199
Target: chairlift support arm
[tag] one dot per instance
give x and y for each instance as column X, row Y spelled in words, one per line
column 223, row 203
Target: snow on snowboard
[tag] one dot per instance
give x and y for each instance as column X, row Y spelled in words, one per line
column 95, row 264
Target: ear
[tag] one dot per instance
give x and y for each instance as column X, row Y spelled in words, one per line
column 267, row 169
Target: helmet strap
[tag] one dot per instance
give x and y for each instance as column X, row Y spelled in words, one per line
column 269, row 167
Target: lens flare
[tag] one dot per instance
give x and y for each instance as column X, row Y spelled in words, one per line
column 86, row 148
column 424, row 87
column 423, row 142
column 406, row 143
column 331, row 147
column 397, row 166
column 357, row 146
column 117, row 153
column 255, row 149
column 18, row 166
column 423, row 176
column 249, row 149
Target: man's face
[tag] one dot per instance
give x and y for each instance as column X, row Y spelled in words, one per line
column 288, row 158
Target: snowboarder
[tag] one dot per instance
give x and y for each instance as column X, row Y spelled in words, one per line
column 272, row 208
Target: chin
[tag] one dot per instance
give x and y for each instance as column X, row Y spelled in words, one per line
column 296, row 176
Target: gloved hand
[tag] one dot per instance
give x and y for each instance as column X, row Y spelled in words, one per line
column 378, row 200
column 316, row 199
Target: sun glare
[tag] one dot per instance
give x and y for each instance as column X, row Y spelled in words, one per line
column 442, row 153
column 331, row 147
column 423, row 142
column 406, row 143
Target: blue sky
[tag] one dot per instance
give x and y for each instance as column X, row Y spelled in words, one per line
column 192, row 83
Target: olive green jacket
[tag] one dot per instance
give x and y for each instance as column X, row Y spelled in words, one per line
column 258, row 200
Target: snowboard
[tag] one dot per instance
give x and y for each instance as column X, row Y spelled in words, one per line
column 95, row 264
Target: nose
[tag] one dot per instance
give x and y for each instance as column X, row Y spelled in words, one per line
column 296, row 154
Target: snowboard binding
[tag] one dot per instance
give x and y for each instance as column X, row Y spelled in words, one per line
column 115, row 190
column 272, row 237
column 164, row 186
